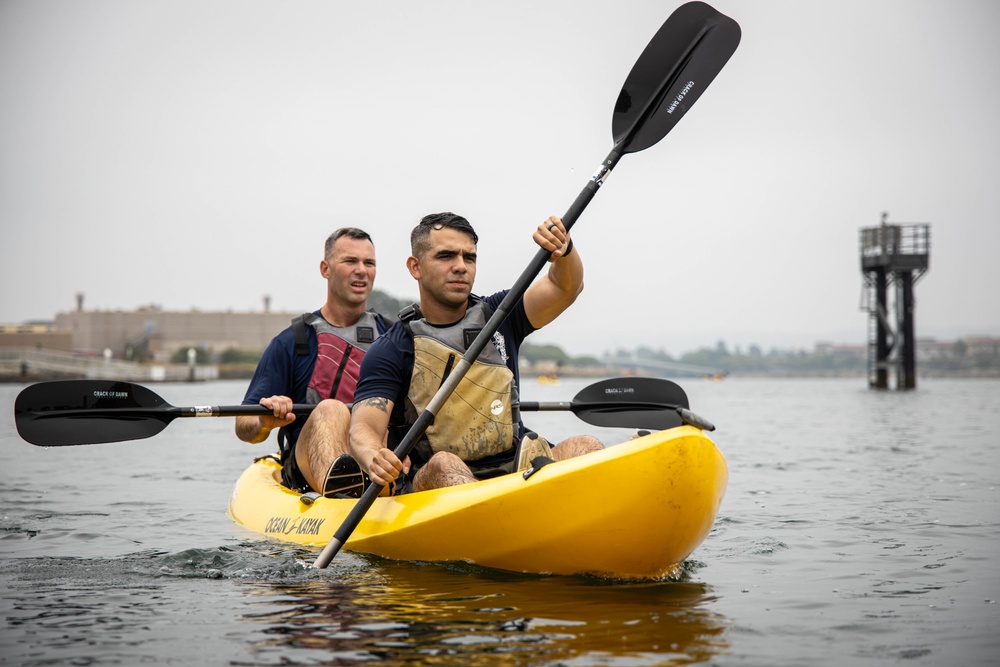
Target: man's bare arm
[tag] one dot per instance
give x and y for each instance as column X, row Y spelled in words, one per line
column 369, row 435
column 548, row 297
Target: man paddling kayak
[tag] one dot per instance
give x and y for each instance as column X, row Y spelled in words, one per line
column 478, row 432
column 317, row 360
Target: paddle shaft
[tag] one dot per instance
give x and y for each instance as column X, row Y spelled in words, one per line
column 170, row 412
column 303, row 409
column 84, row 412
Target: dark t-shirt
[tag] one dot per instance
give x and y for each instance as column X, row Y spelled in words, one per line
column 388, row 365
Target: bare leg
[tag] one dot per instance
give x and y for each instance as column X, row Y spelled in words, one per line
column 577, row 445
column 324, row 437
column 444, row 469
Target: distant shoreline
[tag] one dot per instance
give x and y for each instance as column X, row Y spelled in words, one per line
column 246, row 373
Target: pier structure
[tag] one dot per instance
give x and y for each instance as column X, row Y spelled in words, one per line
column 893, row 258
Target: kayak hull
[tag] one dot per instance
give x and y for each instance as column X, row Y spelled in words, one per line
column 635, row 510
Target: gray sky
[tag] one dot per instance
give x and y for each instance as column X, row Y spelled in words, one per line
column 195, row 154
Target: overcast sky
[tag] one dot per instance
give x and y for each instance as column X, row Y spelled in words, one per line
column 195, row 154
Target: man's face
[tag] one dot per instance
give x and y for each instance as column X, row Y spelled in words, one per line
column 350, row 270
column 447, row 271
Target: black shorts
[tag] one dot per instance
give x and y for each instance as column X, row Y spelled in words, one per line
column 490, row 469
column 291, row 475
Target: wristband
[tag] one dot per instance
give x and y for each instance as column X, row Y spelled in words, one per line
column 569, row 248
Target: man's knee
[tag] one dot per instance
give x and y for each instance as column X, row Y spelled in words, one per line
column 443, row 463
column 444, row 459
column 576, row 446
column 330, row 408
column 443, row 469
column 590, row 443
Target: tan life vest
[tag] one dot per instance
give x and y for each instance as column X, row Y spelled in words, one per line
column 477, row 419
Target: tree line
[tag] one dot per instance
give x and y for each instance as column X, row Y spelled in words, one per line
column 958, row 359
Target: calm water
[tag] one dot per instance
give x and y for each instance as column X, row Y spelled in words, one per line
column 859, row 528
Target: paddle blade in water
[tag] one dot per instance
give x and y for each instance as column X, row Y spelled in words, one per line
column 80, row 412
column 684, row 56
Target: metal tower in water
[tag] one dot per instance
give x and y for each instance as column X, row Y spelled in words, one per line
column 894, row 256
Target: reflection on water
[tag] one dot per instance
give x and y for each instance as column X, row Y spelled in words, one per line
column 432, row 614
column 129, row 610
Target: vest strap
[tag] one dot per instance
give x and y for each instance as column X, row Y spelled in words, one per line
column 299, row 330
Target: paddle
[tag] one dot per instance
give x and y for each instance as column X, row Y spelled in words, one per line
column 631, row 402
column 87, row 412
column 683, row 57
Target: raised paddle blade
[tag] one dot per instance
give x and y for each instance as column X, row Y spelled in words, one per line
column 633, row 402
column 83, row 412
column 684, row 56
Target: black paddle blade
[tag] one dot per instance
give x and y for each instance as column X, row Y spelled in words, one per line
column 632, row 402
column 83, row 412
column 684, row 56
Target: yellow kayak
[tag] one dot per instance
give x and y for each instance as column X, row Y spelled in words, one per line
column 635, row 510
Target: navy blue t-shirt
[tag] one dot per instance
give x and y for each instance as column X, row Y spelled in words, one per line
column 388, row 365
column 281, row 372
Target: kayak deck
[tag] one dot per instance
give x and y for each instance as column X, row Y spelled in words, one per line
column 634, row 510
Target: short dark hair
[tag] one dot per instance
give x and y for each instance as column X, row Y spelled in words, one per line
column 349, row 232
column 421, row 234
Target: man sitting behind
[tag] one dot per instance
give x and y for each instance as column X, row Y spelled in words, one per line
column 317, row 360
column 476, row 433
